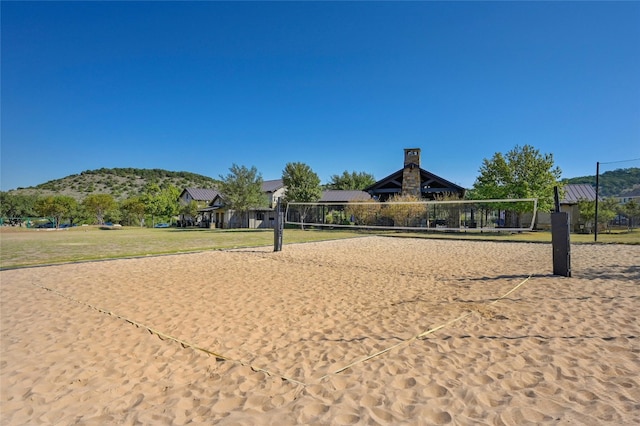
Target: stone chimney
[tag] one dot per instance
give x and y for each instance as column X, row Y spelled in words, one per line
column 411, row 173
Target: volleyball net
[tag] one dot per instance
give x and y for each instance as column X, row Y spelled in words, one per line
column 509, row 215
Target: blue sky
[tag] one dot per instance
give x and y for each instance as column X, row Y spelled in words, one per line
column 199, row 86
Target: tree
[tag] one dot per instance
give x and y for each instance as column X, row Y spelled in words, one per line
column 351, row 181
column 404, row 214
column 190, row 209
column 364, row 213
column 152, row 201
column 133, row 208
column 587, row 211
column 169, row 195
column 303, row 186
column 56, row 207
column 631, row 209
column 606, row 211
column 302, row 183
column 160, row 202
column 99, row 205
column 522, row 173
column 74, row 210
column 241, row 190
column 14, row 207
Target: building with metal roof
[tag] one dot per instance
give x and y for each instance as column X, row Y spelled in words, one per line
column 413, row 180
column 343, row 196
column 576, row 192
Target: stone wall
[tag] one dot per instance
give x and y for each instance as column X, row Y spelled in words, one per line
column 411, row 172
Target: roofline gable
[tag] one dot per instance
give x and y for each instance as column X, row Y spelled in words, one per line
column 398, row 175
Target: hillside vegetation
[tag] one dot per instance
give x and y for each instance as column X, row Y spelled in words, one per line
column 125, row 182
column 614, row 183
column 121, row 183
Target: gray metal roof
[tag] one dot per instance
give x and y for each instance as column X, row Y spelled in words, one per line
column 337, row 196
column 575, row 192
column 392, row 184
column 201, row 194
column 272, row 185
column 634, row 192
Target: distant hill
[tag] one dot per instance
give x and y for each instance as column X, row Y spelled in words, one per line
column 614, row 183
column 126, row 182
column 121, row 183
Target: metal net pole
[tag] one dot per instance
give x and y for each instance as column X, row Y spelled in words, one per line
column 278, row 229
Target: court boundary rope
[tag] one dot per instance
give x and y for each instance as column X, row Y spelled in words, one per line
column 421, row 335
column 186, row 344
column 164, row 336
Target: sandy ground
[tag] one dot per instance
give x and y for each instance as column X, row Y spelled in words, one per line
column 371, row 330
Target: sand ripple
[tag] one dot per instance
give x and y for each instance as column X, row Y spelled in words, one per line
column 556, row 350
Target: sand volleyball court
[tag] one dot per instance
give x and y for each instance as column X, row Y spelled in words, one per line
column 326, row 333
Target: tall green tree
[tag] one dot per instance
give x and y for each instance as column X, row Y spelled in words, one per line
column 241, row 190
column 169, row 195
column 606, row 212
column 15, row 207
column 631, row 209
column 190, row 209
column 521, row 173
column 351, row 181
column 152, row 201
column 587, row 210
column 302, row 183
column 133, row 209
column 56, row 207
column 99, row 205
column 303, row 186
column 160, row 202
column 75, row 210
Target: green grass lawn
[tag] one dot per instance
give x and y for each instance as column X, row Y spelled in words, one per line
column 615, row 237
column 30, row 247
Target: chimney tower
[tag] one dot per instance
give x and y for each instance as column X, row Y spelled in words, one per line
column 411, row 173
